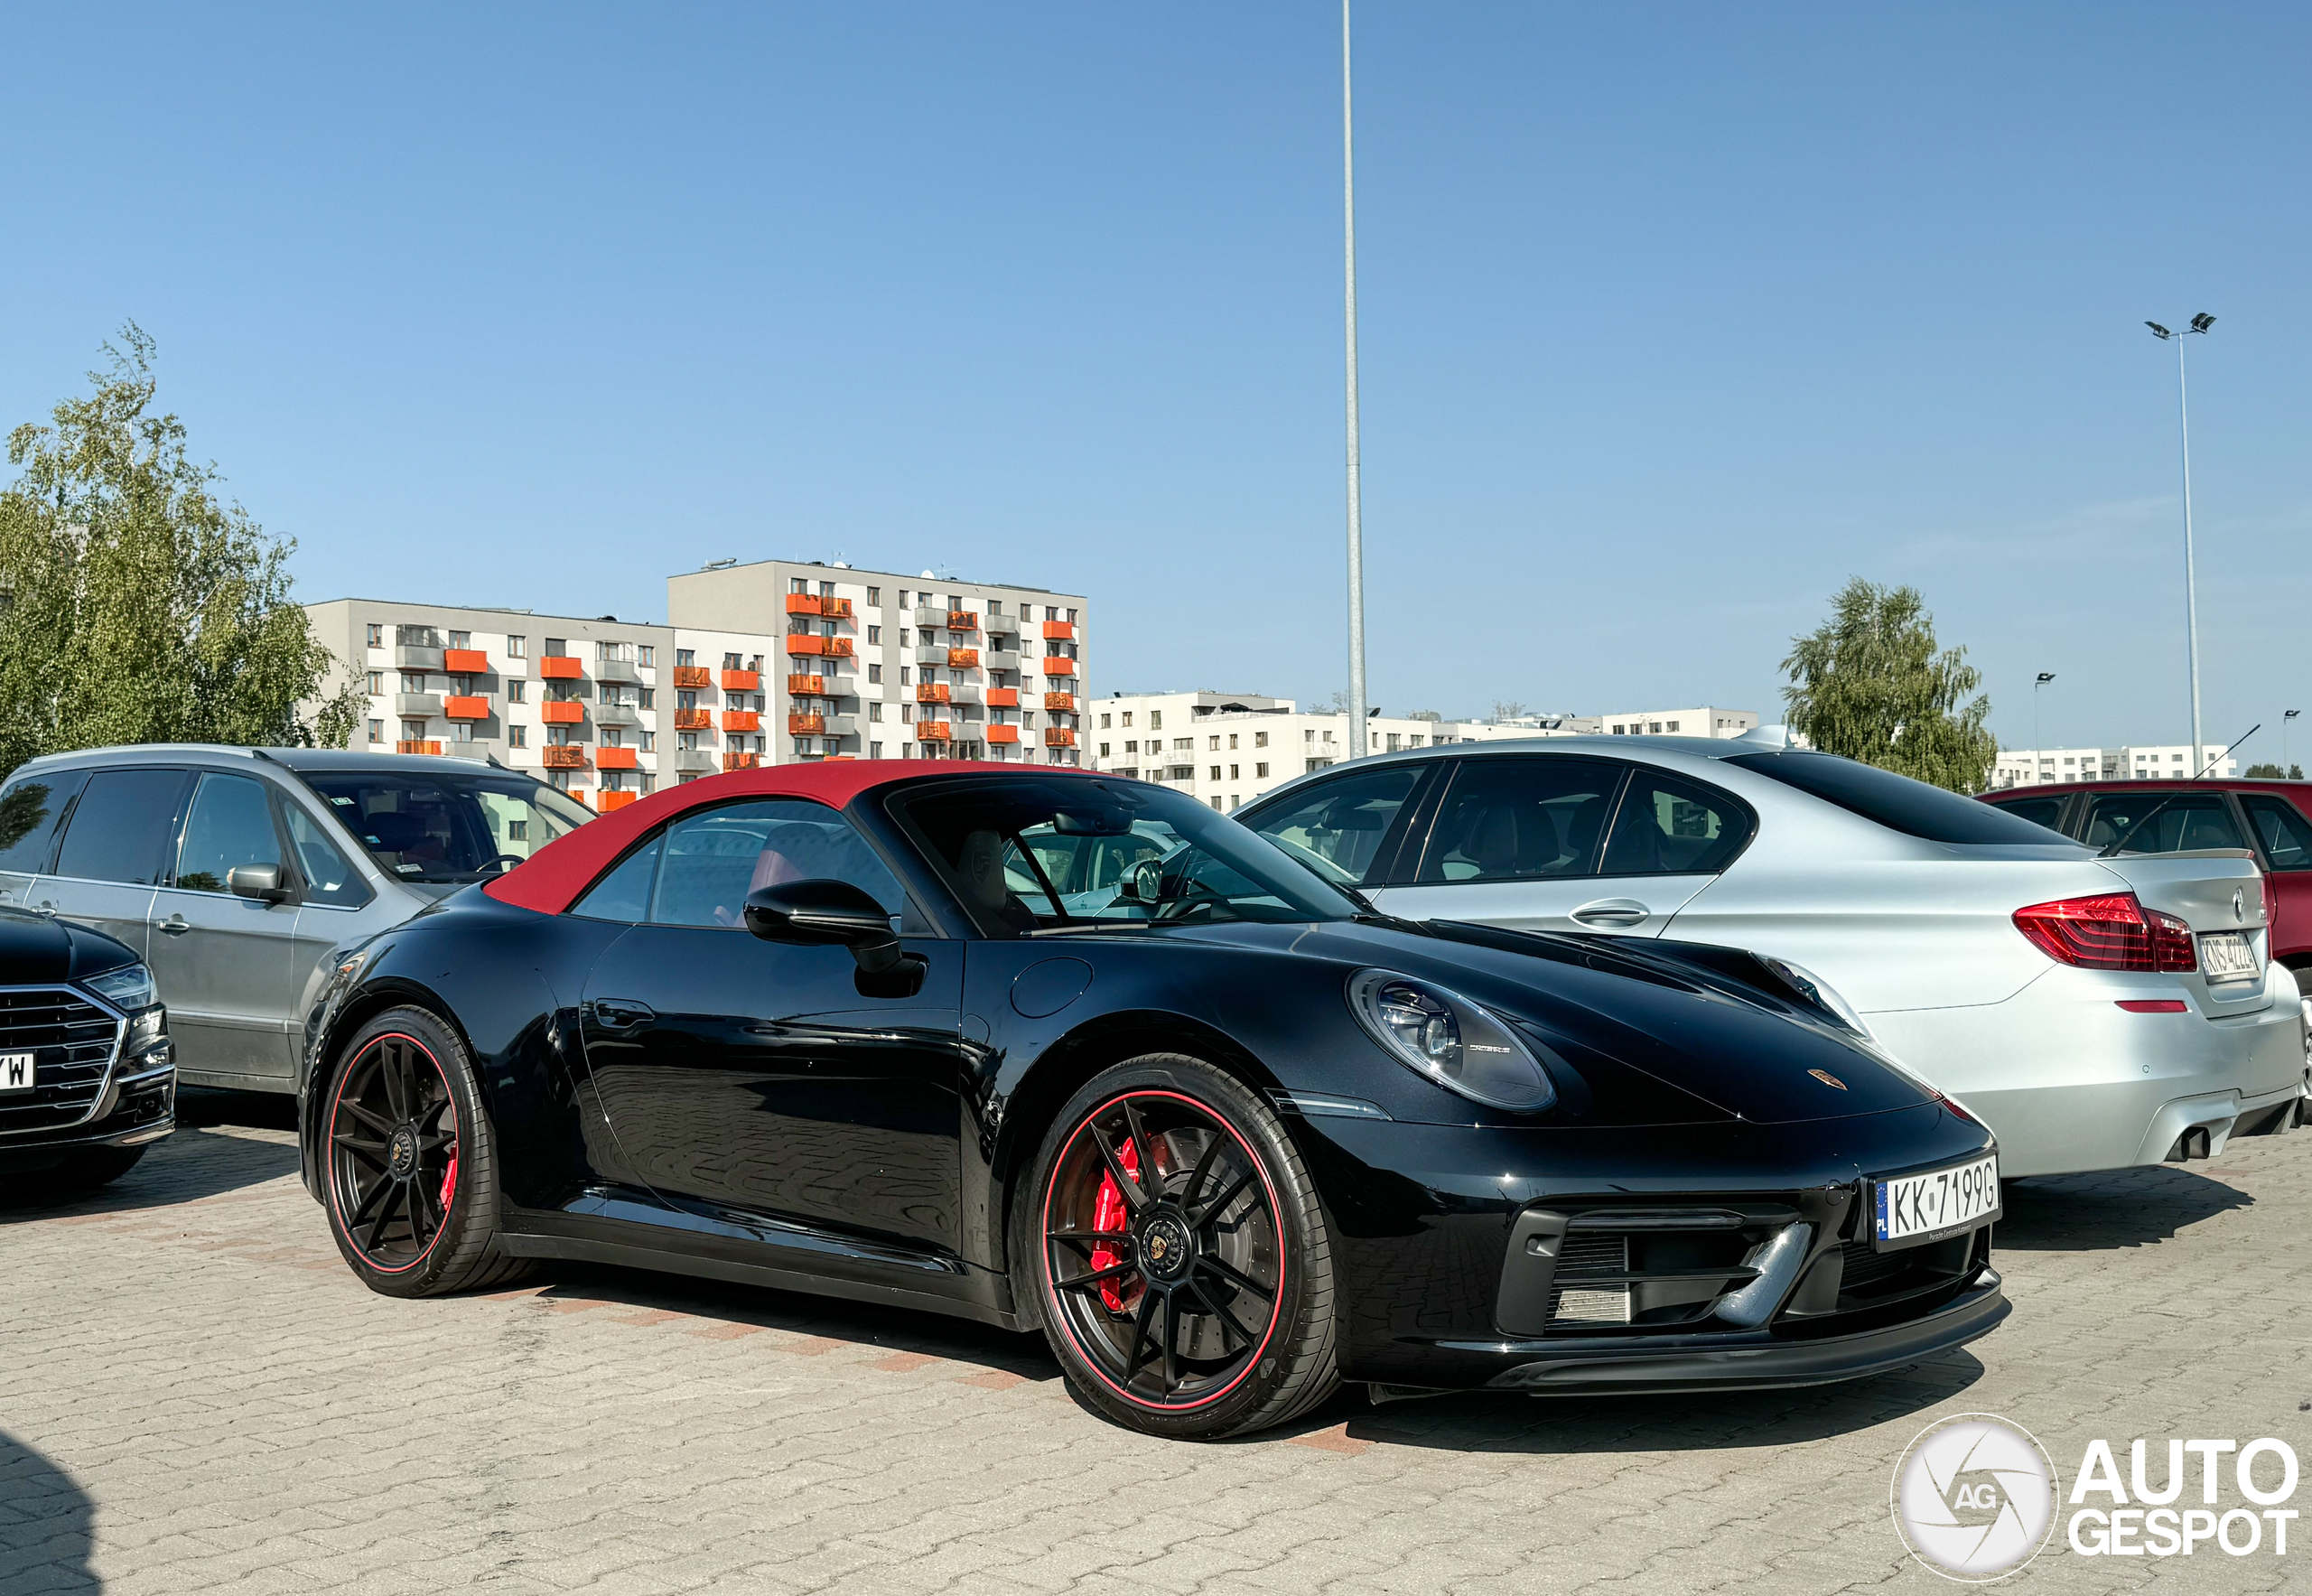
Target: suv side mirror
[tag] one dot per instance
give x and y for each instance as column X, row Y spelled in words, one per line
column 268, row 883
column 821, row 913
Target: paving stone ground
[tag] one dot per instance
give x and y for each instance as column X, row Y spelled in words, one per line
column 196, row 1395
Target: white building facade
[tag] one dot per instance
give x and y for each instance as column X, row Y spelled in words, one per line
column 2171, row 761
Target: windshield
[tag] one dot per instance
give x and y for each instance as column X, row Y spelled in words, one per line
column 1030, row 854
column 1894, row 802
column 431, row 829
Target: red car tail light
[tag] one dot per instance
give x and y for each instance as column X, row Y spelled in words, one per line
column 2113, row 931
column 2272, row 903
column 2154, row 1005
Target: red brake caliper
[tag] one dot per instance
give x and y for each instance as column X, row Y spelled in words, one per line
column 1108, row 1218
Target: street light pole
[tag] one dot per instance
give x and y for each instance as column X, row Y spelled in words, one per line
column 2200, row 323
column 2284, row 719
column 2044, row 678
column 1356, row 731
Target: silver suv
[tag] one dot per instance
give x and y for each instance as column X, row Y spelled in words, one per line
column 233, row 872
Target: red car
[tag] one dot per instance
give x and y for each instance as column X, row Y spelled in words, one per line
column 2271, row 819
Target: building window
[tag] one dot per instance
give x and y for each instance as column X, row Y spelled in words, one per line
column 645, row 654
column 647, row 741
column 557, row 647
column 685, row 657
column 874, row 595
column 1071, row 616
column 376, row 730
column 906, row 714
column 1260, row 770
column 377, row 683
column 377, row 636
column 1673, row 725
column 518, row 736
column 1216, row 800
column 649, row 782
column 646, row 698
column 1155, row 719
column 517, row 647
column 1232, row 738
column 1215, row 775
column 413, row 681
column 1127, row 718
column 874, row 674
column 874, row 634
column 1104, row 750
column 797, row 584
column 1232, row 773
column 1259, row 740
column 1308, row 735
column 875, row 711
column 874, row 750
column 905, row 674
column 518, row 692
column 459, row 640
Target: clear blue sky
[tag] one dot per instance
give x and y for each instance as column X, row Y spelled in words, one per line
column 1674, row 317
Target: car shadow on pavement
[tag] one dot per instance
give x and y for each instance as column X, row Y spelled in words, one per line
column 208, row 1156
column 44, row 1525
column 2109, row 1209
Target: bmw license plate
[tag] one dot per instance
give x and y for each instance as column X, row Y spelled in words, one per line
column 16, row 1072
column 2227, row 955
column 1915, row 1210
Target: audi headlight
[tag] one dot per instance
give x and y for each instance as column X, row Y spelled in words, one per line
column 128, row 988
column 1449, row 1040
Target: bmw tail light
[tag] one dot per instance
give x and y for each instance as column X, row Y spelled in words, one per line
column 2113, row 931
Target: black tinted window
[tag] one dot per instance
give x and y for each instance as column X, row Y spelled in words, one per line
column 2038, row 811
column 713, row 859
column 1896, row 802
column 1337, row 827
column 1666, row 827
column 2286, row 835
column 29, row 811
column 121, row 828
column 2203, row 820
column 1519, row 820
column 624, row 894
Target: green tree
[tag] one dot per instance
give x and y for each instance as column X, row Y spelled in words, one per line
column 134, row 605
column 1871, row 686
column 2273, row 773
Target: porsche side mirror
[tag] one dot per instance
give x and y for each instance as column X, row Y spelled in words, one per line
column 823, row 912
column 268, row 883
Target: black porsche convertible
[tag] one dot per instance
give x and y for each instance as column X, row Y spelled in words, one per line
column 1057, row 1051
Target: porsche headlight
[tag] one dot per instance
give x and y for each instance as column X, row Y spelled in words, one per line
column 1450, row 1041
column 128, row 988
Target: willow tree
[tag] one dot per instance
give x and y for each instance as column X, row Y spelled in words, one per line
column 1871, row 685
column 135, row 606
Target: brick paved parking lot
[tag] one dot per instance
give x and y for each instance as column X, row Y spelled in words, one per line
column 196, row 1395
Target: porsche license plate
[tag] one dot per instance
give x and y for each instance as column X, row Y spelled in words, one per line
column 2227, row 955
column 1915, row 1210
column 16, row 1072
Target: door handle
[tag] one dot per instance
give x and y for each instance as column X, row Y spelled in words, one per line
column 176, row 924
column 1616, row 912
column 619, row 1013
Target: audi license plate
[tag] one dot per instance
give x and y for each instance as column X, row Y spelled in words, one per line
column 15, row 1072
column 1915, row 1210
column 2227, row 955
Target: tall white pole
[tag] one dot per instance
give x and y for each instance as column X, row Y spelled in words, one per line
column 2191, row 591
column 1357, row 730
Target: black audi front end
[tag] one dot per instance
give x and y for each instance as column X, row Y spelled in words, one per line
column 87, row 1077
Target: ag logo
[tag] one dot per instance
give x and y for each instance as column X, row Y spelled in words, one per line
column 1974, row 1498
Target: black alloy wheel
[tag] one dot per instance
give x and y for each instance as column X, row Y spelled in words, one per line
column 411, row 1197
column 1176, row 1229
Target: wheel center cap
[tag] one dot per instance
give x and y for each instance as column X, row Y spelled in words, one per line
column 401, row 1151
column 1164, row 1247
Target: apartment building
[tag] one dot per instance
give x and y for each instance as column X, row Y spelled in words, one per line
column 1227, row 749
column 880, row 665
column 1704, row 722
column 2029, row 766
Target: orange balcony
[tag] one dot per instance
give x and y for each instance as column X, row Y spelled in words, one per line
column 745, row 681
column 1064, row 630
column 806, row 725
column 562, row 712
column 617, row 801
column 559, row 668
column 465, row 662
column 1004, row 733
column 693, row 719
column 963, row 621
column 415, row 746
column 1058, row 737
column 934, row 732
column 1061, row 703
column 802, row 604
column 1004, row 698
column 1056, row 667
column 962, row 658
column 934, row 693
column 474, row 708
column 742, row 720
column 565, row 756
column 836, row 609
column 807, row 687
column 692, row 675
column 836, row 647
column 616, row 759
column 740, row 761
column 802, row 643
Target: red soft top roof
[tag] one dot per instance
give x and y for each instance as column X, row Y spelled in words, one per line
column 555, row 875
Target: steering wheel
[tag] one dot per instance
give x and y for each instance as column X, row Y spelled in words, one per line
column 1193, row 895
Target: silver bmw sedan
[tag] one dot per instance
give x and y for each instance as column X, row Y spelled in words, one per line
column 2095, row 1012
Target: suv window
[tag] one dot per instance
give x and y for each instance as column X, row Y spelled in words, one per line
column 1337, row 827
column 442, row 828
column 2045, row 811
column 121, row 828
column 231, row 825
column 2286, row 835
column 2203, row 820
column 1669, row 826
column 330, row 879
column 1521, row 819
column 29, row 812
column 1896, row 802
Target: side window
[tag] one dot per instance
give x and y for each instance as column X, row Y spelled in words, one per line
column 2286, row 835
column 2038, row 811
column 231, row 825
column 2200, row 821
column 1337, row 827
column 121, row 828
column 329, row 880
column 29, row 812
column 624, row 894
column 1521, row 819
column 713, row 859
column 1668, row 826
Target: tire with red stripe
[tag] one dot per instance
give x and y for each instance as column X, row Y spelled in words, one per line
column 409, row 1163
column 1175, row 1247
